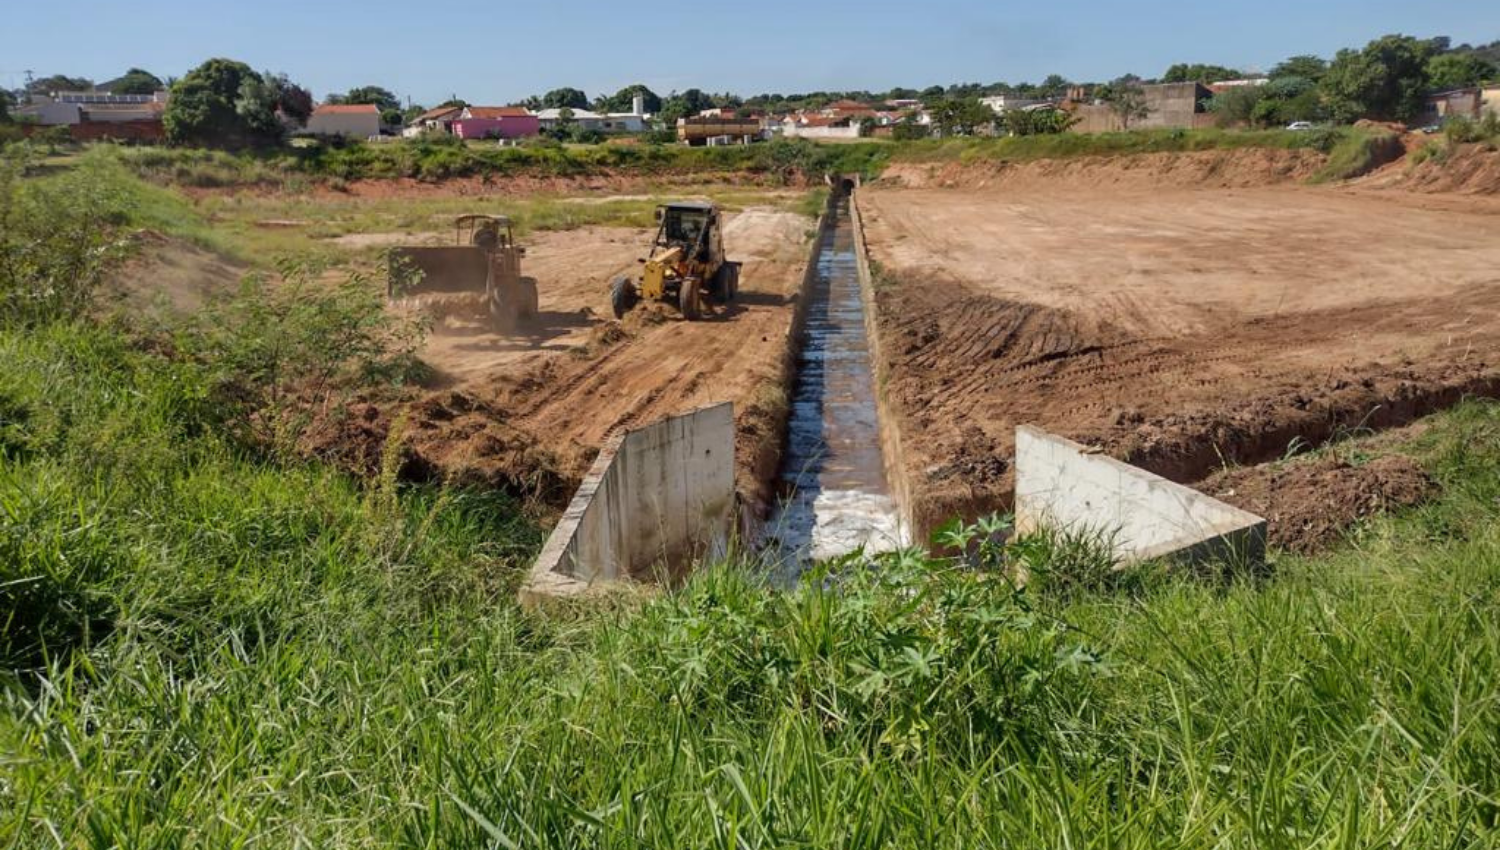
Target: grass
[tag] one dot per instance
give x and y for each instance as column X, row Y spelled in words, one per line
column 1358, row 153
column 1028, row 148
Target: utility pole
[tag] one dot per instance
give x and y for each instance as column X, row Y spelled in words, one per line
column 29, row 80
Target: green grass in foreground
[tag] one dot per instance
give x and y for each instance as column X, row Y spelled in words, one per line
column 206, row 647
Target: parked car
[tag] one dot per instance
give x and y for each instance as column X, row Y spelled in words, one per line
column 1300, row 125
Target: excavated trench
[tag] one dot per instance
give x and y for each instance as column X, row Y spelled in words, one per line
column 836, row 497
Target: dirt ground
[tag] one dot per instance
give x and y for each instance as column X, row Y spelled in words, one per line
column 1182, row 326
column 574, row 375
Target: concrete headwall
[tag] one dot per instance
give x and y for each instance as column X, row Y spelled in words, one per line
column 656, row 500
column 1059, row 482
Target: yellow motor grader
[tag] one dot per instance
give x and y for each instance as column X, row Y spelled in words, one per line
column 687, row 265
column 483, row 265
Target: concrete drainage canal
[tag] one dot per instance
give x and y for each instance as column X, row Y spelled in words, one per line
column 836, row 496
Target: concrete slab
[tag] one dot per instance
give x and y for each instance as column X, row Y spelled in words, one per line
column 1062, row 483
column 657, row 500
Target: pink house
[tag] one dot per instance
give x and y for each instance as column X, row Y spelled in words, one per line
column 495, row 122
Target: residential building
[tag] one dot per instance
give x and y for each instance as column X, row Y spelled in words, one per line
column 1002, row 103
column 1472, row 103
column 603, row 122
column 350, row 120
column 1175, row 106
column 436, row 120
column 495, row 122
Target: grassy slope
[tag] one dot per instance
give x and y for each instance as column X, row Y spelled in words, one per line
column 241, row 648
column 776, row 162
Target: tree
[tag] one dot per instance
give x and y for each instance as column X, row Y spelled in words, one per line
column 1237, row 105
column 565, row 98
column 223, row 103
column 59, row 82
column 1038, row 122
column 907, row 129
column 1305, row 66
column 1458, row 71
column 137, row 81
column 1183, row 73
column 684, row 105
column 1387, row 80
column 1128, row 103
column 1055, row 85
column 961, row 117
column 294, row 102
column 623, row 100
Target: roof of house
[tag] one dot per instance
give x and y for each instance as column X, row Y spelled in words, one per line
column 847, row 105
column 347, row 109
column 498, row 112
column 437, row 112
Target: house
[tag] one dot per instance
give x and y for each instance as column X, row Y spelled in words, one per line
column 1003, row 103
column 1175, row 106
column 818, row 126
column 602, row 122
column 1225, row 85
column 92, row 116
column 495, row 122
column 1471, row 103
column 350, row 120
column 436, row 120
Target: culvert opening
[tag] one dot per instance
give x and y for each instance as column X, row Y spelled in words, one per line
column 835, row 497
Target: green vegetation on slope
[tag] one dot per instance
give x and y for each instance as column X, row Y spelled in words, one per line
column 780, row 162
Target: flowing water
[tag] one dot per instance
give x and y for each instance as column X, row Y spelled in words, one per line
column 833, row 473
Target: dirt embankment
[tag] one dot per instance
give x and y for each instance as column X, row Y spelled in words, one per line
column 1220, row 169
column 1182, row 329
column 1464, row 170
column 528, row 410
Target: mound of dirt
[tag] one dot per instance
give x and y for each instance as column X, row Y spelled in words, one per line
column 1199, row 169
column 171, row 272
column 1308, row 505
column 1467, row 170
column 453, row 437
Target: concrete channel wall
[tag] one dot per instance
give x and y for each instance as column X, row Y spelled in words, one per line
column 890, row 422
column 1061, row 483
column 656, row 500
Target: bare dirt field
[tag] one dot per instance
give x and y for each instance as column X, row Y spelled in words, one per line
column 1179, row 321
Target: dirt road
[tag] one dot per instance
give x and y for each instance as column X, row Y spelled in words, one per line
column 1180, row 328
column 575, row 375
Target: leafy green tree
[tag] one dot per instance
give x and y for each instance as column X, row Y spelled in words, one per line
column 1184, row 73
column 565, row 98
column 1387, row 80
column 1458, row 70
column 684, row 105
column 1055, row 85
column 223, row 103
column 1038, row 122
column 59, row 82
column 137, row 81
column 961, row 117
column 623, row 100
column 1237, row 105
column 907, row 129
column 5, row 101
column 1305, row 66
column 1128, row 103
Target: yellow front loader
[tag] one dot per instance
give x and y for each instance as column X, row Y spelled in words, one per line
column 687, row 265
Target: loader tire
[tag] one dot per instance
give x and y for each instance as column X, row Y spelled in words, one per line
column 622, row 296
column 529, row 303
column 690, row 301
column 723, row 287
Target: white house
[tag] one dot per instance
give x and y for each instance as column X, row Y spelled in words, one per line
column 633, row 121
column 350, row 120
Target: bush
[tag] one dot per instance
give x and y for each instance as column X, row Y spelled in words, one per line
column 55, row 241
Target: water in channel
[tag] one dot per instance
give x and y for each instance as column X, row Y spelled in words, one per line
column 833, row 473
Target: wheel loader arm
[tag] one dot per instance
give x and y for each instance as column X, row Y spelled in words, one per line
column 654, row 278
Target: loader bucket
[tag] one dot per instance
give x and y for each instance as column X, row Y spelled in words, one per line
column 453, row 269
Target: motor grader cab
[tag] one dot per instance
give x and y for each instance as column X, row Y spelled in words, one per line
column 687, row 266
column 483, row 265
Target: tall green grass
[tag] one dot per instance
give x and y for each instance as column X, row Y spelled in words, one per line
column 322, row 696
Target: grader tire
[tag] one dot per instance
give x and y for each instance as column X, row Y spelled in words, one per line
column 622, row 296
column 529, row 301
column 690, row 301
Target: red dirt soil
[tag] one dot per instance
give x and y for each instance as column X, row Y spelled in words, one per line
column 1180, row 328
column 529, row 410
column 1308, row 504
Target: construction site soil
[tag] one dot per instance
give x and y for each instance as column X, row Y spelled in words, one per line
column 529, row 409
column 1182, row 312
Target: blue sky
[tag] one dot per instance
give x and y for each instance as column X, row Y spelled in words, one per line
column 496, row 52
